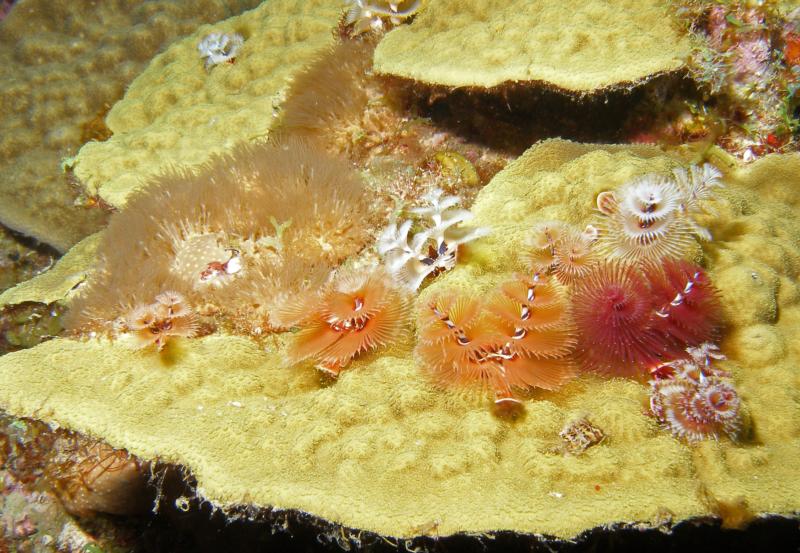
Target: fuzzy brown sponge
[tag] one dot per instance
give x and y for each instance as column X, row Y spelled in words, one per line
column 329, row 93
column 230, row 237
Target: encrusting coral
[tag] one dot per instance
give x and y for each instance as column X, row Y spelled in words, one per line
column 258, row 433
column 229, row 237
column 589, row 48
column 176, row 114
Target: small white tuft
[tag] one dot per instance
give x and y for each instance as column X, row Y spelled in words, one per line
column 219, row 48
column 433, row 249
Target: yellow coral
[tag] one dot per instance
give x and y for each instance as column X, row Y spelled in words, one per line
column 581, row 48
column 253, row 431
column 176, row 113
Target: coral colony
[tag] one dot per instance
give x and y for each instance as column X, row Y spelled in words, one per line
column 278, row 237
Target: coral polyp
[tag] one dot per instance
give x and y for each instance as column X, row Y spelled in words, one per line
column 504, row 344
column 615, row 320
column 155, row 323
column 695, row 400
column 651, row 218
column 355, row 313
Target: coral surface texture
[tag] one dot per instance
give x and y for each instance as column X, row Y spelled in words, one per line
column 62, row 66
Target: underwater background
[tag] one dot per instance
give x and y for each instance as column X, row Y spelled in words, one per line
column 416, row 275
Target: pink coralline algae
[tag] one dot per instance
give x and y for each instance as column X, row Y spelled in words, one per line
column 694, row 399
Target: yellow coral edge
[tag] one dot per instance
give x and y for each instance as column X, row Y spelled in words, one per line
column 58, row 281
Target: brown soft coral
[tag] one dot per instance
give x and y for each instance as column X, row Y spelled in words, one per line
column 213, row 234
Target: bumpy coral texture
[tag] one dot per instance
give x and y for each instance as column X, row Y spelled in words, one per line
column 57, row 82
column 233, row 237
